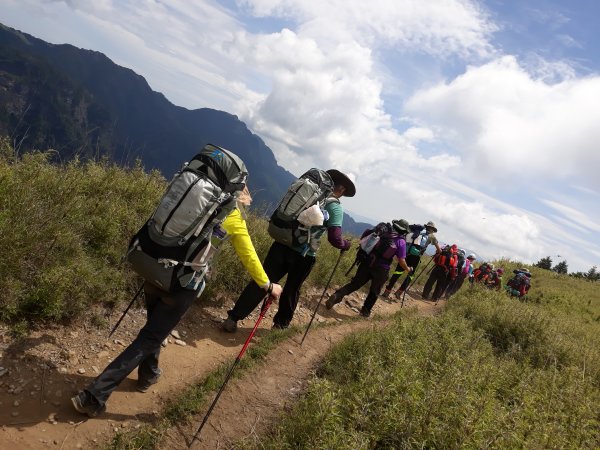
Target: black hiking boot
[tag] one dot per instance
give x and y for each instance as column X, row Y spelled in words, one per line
column 333, row 299
column 229, row 325
column 399, row 293
column 365, row 312
column 144, row 385
column 278, row 326
column 84, row 403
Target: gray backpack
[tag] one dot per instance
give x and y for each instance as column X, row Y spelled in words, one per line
column 311, row 188
column 174, row 248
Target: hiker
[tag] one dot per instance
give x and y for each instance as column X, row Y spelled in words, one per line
column 471, row 267
column 494, row 280
column 463, row 267
column 443, row 272
column 518, row 286
column 166, row 305
column 375, row 266
column 482, row 273
column 296, row 257
column 422, row 236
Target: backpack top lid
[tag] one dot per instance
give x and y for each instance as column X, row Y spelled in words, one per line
column 382, row 228
column 522, row 271
column 224, row 167
column 321, row 178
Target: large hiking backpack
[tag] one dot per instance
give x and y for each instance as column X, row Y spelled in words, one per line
column 385, row 248
column 519, row 281
column 482, row 271
column 416, row 240
column 370, row 240
column 447, row 258
column 312, row 188
column 173, row 248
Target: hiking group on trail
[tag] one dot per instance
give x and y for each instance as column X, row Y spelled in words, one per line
column 204, row 205
column 381, row 245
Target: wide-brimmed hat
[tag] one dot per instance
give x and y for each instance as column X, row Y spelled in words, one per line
column 401, row 226
column 340, row 178
column 430, row 224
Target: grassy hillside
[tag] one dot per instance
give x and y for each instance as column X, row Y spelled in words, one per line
column 64, row 229
column 489, row 372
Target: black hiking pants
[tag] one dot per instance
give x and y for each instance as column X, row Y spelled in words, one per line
column 364, row 274
column 439, row 277
column 411, row 261
column 455, row 285
column 280, row 260
column 164, row 313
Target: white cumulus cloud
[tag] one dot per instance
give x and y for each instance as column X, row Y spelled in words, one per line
column 506, row 123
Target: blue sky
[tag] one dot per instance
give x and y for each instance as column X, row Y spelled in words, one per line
column 479, row 115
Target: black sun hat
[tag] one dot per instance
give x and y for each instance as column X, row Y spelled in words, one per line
column 340, row 178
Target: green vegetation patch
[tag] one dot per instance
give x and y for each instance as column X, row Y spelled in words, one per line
column 438, row 383
column 532, row 333
column 63, row 231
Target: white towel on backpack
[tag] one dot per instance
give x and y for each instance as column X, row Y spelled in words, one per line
column 311, row 217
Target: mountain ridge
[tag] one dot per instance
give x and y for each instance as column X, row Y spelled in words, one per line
column 80, row 102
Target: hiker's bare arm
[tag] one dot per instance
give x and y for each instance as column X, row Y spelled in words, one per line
column 402, row 263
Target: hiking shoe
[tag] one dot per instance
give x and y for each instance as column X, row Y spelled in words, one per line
column 278, row 326
column 333, row 299
column 386, row 293
column 399, row 293
column 144, row 385
column 229, row 325
column 365, row 312
column 84, row 403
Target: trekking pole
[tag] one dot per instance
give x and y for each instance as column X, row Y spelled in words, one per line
column 322, row 295
column 351, row 267
column 263, row 310
column 414, row 281
column 139, row 291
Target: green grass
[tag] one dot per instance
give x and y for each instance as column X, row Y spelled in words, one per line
column 65, row 228
column 489, row 372
column 63, row 231
column 437, row 383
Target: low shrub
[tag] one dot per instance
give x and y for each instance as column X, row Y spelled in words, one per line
column 437, row 383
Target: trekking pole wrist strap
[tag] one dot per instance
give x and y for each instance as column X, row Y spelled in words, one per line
column 270, row 289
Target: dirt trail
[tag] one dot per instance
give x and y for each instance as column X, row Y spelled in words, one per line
column 48, row 367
